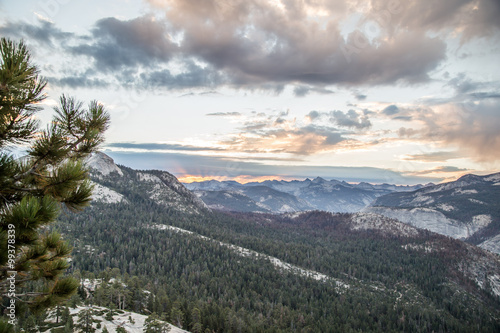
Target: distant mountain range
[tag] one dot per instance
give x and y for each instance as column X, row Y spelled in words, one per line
column 467, row 209
column 275, row 196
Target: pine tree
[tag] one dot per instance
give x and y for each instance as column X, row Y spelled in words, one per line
column 196, row 321
column 34, row 189
column 65, row 315
column 152, row 324
column 30, row 325
column 68, row 327
column 109, row 315
column 86, row 320
column 58, row 313
column 121, row 329
column 176, row 314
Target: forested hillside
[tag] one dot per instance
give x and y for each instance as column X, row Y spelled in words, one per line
column 202, row 270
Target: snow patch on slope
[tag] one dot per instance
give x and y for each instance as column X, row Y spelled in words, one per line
column 106, row 195
column 493, row 178
column 477, row 201
column 483, row 268
column 425, row 218
column 147, row 177
column 482, row 220
column 428, row 247
column 368, row 221
column 446, row 207
column 250, row 253
column 422, row 200
column 459, row 191
column 121, row 320
column 492, row 244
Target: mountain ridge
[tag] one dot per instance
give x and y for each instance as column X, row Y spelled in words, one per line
column 317, row 194
column 111, row 182
column 467, row 209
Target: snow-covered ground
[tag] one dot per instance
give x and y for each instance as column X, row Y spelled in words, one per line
column 428, row 247
column 461, row 191
column 368, row 221
column 492, row 244
column 493, row 178
column 120, row 320
column 482, row 268
column 446, row 207
column 147, row 177
column 425, row 218
column 106, row 195
column 250, row 253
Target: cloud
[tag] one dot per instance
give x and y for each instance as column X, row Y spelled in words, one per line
column 224, row 114
column 358, row 95
column 45, row 32
column 78, row 81
column 390, row 110
column 116, row 43
column 249, row 44
column 470, row 18
column 225, row 168
column 305, row 141
column 471, row 91
column 301, row 90
column 313, row 115
column 193, row 76
column 160, row 147
column 441, row 169
column 281, row 133
column 475, row 130
column 257, row 41
column 267, row 45
column 350, row 119
column 439, row 156
column 472, row 127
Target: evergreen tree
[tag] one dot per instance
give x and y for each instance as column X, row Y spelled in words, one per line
column 65, row 314
column 152, row 324
column 34, row 189
column 30, row 325
column 176, row 314
column 121, row 329
column 196, row 321
column 109, row 315
column 58, row 313
column 86, row 321
column 69, row 326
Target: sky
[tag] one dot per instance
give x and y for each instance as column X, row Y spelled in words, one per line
column 380, row 91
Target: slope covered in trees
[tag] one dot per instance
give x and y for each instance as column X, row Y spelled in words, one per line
column 392, row 279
